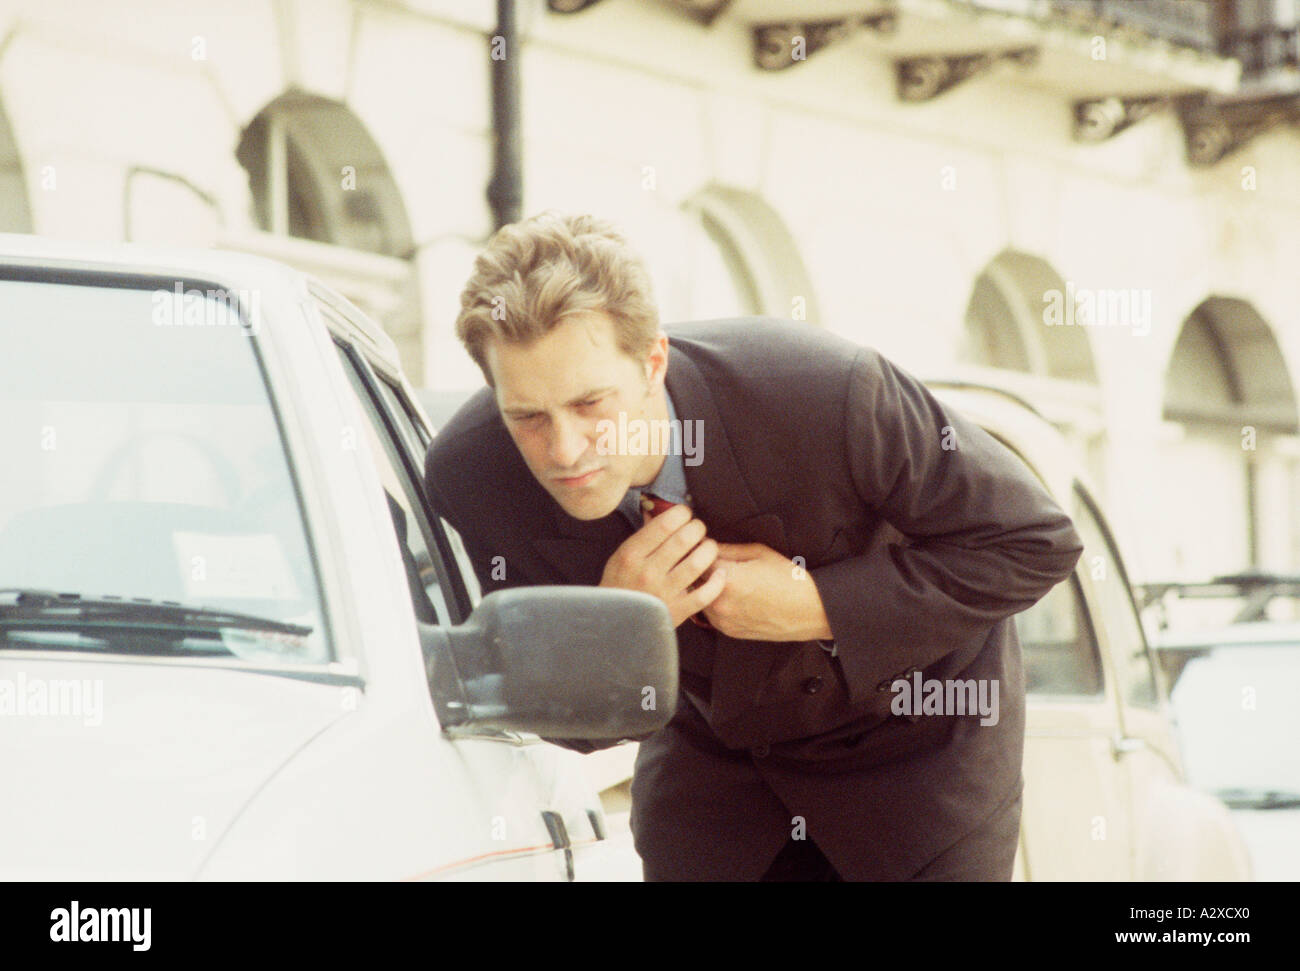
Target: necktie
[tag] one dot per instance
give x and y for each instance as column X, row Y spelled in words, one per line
column 652, row 506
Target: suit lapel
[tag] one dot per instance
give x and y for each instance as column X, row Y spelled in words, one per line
column 721, row 498
column 719, row 494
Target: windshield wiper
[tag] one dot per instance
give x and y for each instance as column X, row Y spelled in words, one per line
column 48, row 609
column 1259, row 798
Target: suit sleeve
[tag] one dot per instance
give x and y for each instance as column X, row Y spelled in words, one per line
column 985, row 540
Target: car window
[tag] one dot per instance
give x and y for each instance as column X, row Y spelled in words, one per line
column 1059, row 646
column 412, row 433
column 1238, row 713
column 425, row 575
column 144, row 459
column 463, row 563
column 1057, row 638
column 417, row 442
column 1118, row 615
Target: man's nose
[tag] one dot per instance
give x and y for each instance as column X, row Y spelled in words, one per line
column 568, row 443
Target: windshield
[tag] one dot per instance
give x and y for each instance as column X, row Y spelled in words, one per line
column 1238, row 712
column 142, row 459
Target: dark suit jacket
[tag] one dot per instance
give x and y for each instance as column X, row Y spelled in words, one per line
column 923, row 535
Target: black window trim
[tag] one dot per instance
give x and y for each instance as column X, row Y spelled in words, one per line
column 1097, row 697
column 1157, row 679
column 445, row 564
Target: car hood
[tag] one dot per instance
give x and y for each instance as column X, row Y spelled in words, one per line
column 131, row 770
column 1273, row 838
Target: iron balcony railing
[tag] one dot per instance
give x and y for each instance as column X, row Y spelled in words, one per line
column 1261, row 34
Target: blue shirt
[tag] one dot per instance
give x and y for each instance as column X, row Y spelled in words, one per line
column 670, row 483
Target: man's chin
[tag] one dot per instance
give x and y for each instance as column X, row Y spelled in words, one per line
column 586, row 508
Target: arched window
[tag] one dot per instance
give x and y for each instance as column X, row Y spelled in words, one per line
column 315, row 173
column 1229, row 475
column 1007, row 341
column 1006, row 324
column 716, row 281
column 325, row 201
column 739, row 259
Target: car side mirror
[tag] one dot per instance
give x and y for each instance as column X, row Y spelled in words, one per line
column 558, row 661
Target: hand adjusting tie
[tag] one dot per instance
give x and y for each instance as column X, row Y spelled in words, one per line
column 652, row 506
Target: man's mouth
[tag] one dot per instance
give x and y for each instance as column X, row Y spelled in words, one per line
column 579, row 480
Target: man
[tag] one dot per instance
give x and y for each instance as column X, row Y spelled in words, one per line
column 832, row 534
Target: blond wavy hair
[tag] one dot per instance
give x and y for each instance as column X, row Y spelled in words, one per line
column 535, row 273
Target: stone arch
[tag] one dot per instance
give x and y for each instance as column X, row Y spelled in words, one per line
column 1226, row 368
column 15, row 208
column 326, row 202
column 1228, row 488
column 316, row 173
column 758, row 250
column 1005, row 327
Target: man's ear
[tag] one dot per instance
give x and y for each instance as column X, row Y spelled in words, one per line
column 656, row 364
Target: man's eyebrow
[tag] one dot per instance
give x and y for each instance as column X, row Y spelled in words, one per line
column 526, row 409
column 593, row 393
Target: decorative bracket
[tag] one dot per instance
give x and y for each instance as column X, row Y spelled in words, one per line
column 923, row 78
column 778, row 46
column 1213, row 128
column 569, row 6
column 703, row 11
column 1097, row 119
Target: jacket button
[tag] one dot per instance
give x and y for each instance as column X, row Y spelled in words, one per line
column 812, row 686
column 761, row 751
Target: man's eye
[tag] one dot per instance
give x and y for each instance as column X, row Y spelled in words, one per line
column 590, row 403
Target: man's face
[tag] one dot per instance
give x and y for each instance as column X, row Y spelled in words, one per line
column 554, row 394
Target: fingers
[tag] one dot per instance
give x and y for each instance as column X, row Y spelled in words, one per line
column 741, row 551
column 652, row 535
column 708, row 591
column 672, row 557
column 679, row 545
column 693, row 564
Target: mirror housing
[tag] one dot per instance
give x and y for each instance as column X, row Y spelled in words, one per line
column 558, row 661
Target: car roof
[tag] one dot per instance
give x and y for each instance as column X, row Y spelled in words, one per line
column 225, row 268
column 1019, row 426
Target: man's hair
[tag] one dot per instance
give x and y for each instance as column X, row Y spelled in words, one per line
column 539, row 271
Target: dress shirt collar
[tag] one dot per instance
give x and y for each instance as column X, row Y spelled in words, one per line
column 670, row 483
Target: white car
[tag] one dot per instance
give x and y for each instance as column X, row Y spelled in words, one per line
column 1106, row 792
column 233, row 644
column 1236, row 697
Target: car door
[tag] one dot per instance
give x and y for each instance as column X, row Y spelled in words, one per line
column 1175, row 833
column 571, row 809
column 1075, row 823
column 532, row 825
